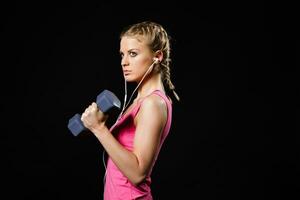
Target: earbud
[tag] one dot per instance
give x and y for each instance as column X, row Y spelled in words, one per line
column 156, row 60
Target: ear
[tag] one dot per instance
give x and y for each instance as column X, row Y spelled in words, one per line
column 159, row 56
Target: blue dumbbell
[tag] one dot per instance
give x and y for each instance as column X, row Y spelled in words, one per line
column 106, row 100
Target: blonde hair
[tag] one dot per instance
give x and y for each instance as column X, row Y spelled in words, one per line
column 158, row 40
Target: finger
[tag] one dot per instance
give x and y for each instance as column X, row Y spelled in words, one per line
column 91, row 108
column 84, row 114
column 94, row 104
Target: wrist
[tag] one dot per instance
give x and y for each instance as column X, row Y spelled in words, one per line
column 100, row 130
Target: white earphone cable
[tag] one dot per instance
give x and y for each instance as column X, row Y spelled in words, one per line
column 124, row 107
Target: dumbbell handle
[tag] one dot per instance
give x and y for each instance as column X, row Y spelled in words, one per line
column 106, row 100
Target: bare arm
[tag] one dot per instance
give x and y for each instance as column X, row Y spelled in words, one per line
column 149, row 122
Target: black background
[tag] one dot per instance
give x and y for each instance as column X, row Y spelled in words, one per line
column 234, row 133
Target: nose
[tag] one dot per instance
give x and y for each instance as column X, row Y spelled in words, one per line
column 124, row 61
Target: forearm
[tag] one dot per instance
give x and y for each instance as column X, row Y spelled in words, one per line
column 124, row 159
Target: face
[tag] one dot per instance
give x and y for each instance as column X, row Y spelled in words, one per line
column 136, row 56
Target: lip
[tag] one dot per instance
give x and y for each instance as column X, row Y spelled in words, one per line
column 126, row 72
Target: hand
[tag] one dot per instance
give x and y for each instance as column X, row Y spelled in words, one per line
column 93, row 118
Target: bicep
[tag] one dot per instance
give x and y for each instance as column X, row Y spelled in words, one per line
column 149, row 124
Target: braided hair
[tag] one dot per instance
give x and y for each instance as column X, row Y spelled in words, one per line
column 158, row 40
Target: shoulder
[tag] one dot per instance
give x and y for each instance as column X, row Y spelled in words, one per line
column 153, row 102
column 152, row 113
column 153, row 105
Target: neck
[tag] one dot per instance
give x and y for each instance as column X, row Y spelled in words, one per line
column 149, row 85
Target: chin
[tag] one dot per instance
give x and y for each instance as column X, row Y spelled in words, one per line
column 130, row 78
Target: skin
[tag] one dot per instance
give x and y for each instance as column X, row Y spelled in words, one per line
column 150, row 120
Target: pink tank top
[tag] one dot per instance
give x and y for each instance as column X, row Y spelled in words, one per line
column 117, row 186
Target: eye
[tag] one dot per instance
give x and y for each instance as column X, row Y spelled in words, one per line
column 132, row 53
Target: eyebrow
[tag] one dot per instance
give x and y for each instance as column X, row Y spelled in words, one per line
column 131, row 50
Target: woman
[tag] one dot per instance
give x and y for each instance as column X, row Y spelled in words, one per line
column 134, row 141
